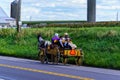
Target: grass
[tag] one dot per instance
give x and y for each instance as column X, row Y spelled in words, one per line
column 101, row 46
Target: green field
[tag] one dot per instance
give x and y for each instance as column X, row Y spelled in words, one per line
column 101, row 45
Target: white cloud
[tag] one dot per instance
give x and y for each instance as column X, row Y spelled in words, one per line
column 108, row 7
column 57, row 9
column 43, row 5
column 31, row 10
column 111, row 2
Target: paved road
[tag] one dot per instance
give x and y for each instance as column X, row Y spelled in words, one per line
column 23, row 69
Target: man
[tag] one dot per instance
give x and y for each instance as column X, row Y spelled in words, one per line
column 68, row 43
column 67, row 39
column 61, row 41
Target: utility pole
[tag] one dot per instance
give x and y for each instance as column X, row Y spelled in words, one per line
column 91, row 10
column 117, row 16
column 30, row 18
column 18, row 14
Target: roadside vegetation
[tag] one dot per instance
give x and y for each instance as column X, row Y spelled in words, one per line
column 71, row 24
column 101, row 45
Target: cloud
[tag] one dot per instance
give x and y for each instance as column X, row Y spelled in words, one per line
column 43, row 5
column 108, row 7
column 107, row 10
column 56, row 9
column 112, row 2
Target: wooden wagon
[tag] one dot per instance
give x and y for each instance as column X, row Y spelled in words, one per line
column 55, row 54
column 76, row 53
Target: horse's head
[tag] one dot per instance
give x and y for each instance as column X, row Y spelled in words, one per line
column 42, row 42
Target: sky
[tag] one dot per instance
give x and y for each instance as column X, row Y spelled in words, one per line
column 43, row 10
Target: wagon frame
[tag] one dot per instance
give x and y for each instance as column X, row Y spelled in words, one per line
column 57, row 54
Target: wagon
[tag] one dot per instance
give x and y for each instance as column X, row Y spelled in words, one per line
column 76, row 53
column 56, row 54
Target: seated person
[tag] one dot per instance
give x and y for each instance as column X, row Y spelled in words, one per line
column 68, row 42
column 67, row 39
column 55, row 39
column 61, row 41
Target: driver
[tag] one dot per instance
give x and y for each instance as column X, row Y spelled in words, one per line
column 55, row 38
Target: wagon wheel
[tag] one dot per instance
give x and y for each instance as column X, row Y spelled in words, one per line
column 79, row 61
column 64, row 61
column 42, row 57
column 54, row 59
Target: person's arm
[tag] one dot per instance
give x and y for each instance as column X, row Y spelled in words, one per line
column 61, row 43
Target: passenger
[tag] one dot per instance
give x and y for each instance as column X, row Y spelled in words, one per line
column 68, row 42
column 55, row 39
column 67, row 39
column 61, row 41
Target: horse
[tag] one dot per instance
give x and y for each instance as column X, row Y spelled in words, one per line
column 48, row 52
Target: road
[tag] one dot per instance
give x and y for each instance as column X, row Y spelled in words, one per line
column 24, row 69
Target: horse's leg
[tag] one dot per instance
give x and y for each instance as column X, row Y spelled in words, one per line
column 52, row 58
column 56, row 59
